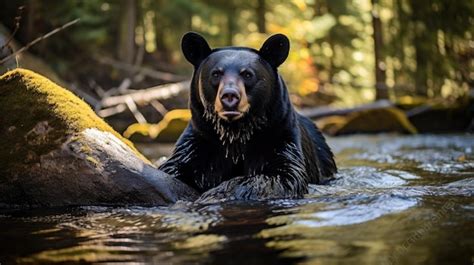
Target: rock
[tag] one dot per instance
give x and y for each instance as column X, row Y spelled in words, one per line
column 167, row 130
column 388, row 119
column 444, row 119
column 439, row 115
column 55, row 151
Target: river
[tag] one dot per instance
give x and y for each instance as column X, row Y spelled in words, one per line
column 396, row 200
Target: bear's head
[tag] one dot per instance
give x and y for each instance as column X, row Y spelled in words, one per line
column 233, row 87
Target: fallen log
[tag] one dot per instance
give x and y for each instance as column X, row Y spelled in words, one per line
column 145, row 96
column 55, row 151
column 320, row 112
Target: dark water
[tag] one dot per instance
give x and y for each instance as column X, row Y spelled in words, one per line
column 397, row 200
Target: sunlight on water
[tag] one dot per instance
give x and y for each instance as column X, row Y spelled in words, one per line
column 395, row 200
column 359, row 213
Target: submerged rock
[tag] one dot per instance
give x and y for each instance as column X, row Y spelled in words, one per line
column 55, row 151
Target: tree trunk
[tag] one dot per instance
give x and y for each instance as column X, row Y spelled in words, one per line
column 261, row 22
column 30, row 28
column 381, row 91
column 128, row 20
column 230, row 26
column 420, row 41
column 421, row 74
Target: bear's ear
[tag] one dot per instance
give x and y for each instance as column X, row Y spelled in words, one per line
column 195, row 48
column 275, row 50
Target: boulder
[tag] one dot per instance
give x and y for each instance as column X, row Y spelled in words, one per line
column 377, row 120
column 55, row 151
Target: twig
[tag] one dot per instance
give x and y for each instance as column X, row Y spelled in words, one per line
column 85, row 96
column 140, row 55
column 104, row 113
column 417, row 110
column 134, row 109
column 17, row 26
column 47, row 35
column 97, row 88
column 158, row 107
column 123, row 87
column 144, row 70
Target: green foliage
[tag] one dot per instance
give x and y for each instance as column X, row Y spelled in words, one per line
column 427, row 47
column 97, row 25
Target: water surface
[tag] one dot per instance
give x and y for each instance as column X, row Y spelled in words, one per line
column 396, row 200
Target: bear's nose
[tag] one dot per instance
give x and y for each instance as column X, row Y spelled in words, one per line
column 230, row 98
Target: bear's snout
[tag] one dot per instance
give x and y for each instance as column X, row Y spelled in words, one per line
column 230, row 98
column 231, row 101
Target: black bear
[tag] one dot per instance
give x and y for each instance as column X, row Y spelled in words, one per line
column 245, row 140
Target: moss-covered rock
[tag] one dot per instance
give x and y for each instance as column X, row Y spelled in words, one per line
column 388, row 119
column 167, row 130
column 54, row 150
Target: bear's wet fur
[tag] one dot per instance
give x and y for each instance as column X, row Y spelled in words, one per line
column 245, row 140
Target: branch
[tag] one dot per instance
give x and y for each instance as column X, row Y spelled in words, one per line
column 158, row 107
column 104, row 113
column 17, row 26
column 149, row 94
column 134, row 109
column 47, row 35
column 144, row 70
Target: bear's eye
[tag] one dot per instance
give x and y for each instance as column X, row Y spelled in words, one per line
column 246, row 74
column 216, row 74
